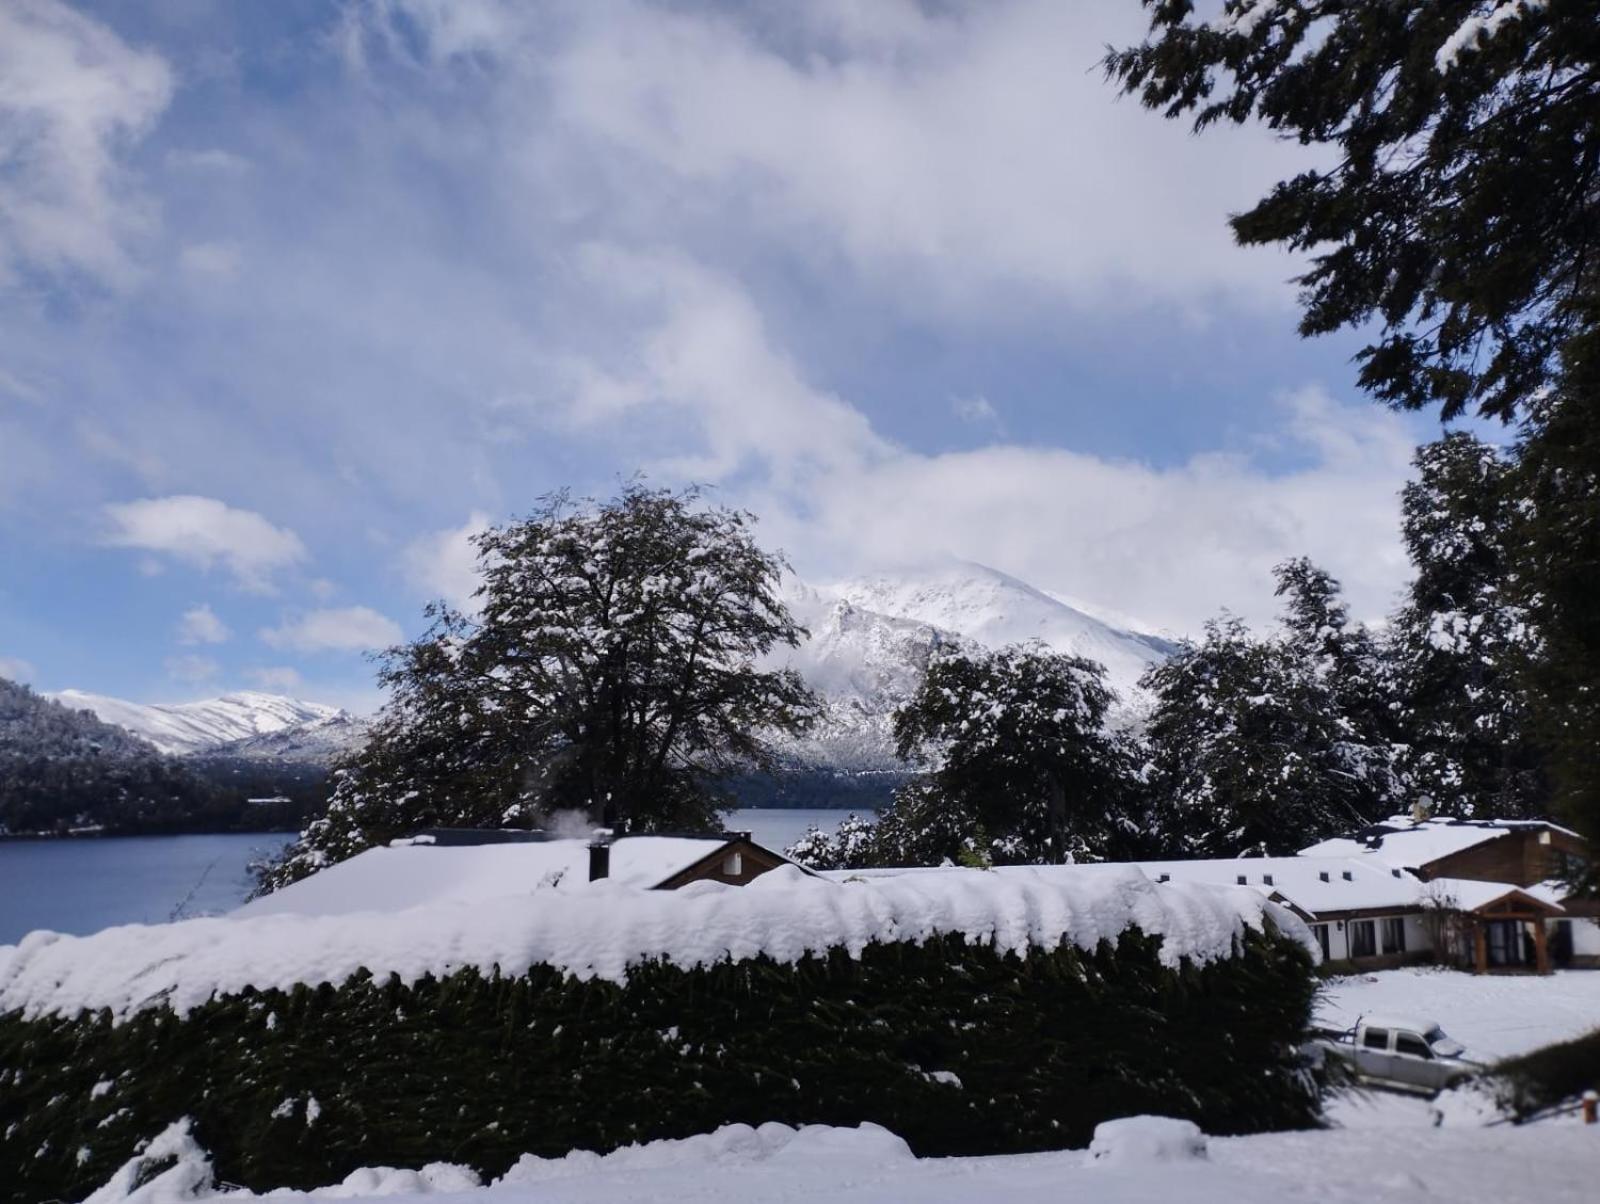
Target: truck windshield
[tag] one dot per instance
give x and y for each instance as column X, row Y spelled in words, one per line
column 1442, row 1045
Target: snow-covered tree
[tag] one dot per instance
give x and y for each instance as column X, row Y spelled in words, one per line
column 615, row 667
column 1019, row 745
column 1020, row 767
column 1452, row 225
column 1461, row 642
column 849, row 846
column 1352, row 666
column 1249, row 751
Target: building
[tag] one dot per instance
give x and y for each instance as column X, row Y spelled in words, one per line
column 1361, row 913
column 452, row 865
column 1493, row 889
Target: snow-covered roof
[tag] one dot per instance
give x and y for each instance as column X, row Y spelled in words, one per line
column 408, row 875
column 600, row 929
column 1312, row 884
column 1469, row 894
column 1403, row 841
column 1317, row 885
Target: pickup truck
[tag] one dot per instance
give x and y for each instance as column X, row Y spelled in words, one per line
column 1404, row 1053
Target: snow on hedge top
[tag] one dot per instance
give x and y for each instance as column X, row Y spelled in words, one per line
column 417, row 875
column 1406, row 843
column 600, row 929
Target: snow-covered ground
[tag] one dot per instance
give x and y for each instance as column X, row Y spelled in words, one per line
column 1550, row 1164
column 1494, row 1016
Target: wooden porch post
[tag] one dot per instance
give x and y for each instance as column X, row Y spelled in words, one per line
column 1480, row 947
column 1541, row 948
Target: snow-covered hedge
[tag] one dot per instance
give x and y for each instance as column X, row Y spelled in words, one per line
column 969, row 1012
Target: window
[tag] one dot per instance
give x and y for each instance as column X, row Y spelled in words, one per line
column 1320, row 931
column 733, row 864
column 1394, row 935
column 1415, row 1046
column 1376, row 1038
column 1363, row 938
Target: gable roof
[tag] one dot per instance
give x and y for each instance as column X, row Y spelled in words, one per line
column 410, row 874
column 1469, row 894
column 1407, row 843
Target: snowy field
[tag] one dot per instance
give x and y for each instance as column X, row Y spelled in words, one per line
column 1494, row 1016
column 1548, row 1163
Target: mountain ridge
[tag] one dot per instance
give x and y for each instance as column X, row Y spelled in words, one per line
column 870, row 641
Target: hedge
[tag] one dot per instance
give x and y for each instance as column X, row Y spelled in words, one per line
column 479, row 1069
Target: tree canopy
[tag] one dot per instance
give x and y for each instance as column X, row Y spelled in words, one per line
column 615, row 667
column 1459, row 210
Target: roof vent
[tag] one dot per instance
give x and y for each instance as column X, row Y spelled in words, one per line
column 1242, row 879
column 1348, row 876
column 1164, row 878
column 1266, row 879
column 1323, row 874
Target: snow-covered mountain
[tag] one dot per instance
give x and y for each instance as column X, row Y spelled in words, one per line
column 871, row 638
column 232, row 723
column 870, row 641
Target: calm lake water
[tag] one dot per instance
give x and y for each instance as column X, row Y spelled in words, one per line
column 83, row 886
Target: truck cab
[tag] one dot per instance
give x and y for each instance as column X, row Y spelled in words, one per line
column 1407, row 1052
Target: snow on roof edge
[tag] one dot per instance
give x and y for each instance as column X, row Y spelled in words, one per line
column 602, row 931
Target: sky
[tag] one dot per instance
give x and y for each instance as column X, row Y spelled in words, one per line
column 295, row 296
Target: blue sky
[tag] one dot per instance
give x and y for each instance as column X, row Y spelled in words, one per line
column 294, row 295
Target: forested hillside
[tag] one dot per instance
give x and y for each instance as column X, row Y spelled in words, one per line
column 62, row 770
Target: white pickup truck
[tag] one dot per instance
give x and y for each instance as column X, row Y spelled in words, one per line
column 1406, row 1053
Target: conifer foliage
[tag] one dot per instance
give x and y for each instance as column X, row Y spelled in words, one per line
column 1459, row 219
column 1461, row 210
column 1461, row 641
column 614, row 668
column 1266, row 744
column 1019, row 766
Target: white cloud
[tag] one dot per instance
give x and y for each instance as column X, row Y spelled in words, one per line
column 191, row 668
column 707, row 354
column 15, row 668
column 205, row 532
column 977, row 409
column 1171, row 543
column 279, row 678
column 444, row 564
column 951, row 154
column 340, row 629
column 200, row 625
column 75, row 97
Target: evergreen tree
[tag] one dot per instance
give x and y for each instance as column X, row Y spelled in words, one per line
column 614, row 669
column 1458, row 221
column 1352, row 666
column 1023, row 752
column 1021, row 767
column 1461, row 210
column 1461, row 640
column 1556, row 536
column 1250, row 750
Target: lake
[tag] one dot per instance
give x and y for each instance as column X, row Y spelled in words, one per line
column 83, row 886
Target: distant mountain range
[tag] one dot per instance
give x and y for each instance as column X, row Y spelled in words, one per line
column 870, row 641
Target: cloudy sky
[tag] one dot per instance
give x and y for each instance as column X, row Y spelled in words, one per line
column 292, row 295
